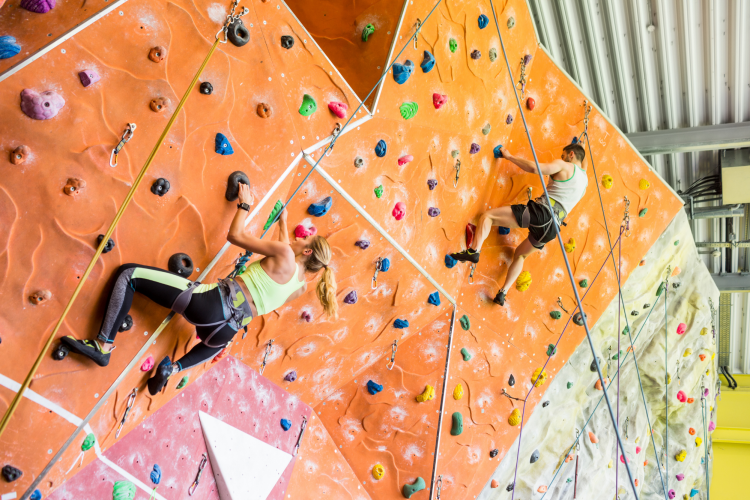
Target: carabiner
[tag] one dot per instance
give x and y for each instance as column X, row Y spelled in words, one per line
column 471, row 273
column 131, row 402
column 202, row 465
column 265, row 356
column 626, row 218
column 438, row 486
column 334, row 134
column 126, row 136
column 457, row 166
column 559, row 303
column 416, row 33
column 299, row 438
column 392, row 362
column 374, row 283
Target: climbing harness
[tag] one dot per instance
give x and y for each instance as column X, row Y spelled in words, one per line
column 334, row 134
column 231, row 18
column 559, row 303
column 392, row 362
column 126, row 136
column 457, row 168
column 472, row 268
column 438, row 486
column 269, row 345
column 299, row 438
column 378, row 267
column 202, row 465
column 131, row 402
column 416, row 33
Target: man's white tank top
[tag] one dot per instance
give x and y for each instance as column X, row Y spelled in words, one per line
column 568, row 193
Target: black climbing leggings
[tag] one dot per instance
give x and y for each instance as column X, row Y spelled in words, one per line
column 163, row 288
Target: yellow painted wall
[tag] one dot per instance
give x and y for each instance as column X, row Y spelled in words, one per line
column 731, row 440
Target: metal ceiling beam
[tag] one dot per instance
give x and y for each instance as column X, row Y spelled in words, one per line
column 732, row 283
column 637, row 28
column 707, row 138
column 662, row 29
column 539, row 21
column 626, row 122
column 593, row 52
column 719, row 212
column 570, row 53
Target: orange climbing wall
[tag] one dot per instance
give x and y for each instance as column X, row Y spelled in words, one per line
column 47, row 237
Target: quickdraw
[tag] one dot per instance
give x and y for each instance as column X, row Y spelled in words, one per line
column 457, row 168
column 438, row 486
column 231, row 17
column 521, row 85
column 131, row 402
column 202, row 465
column 578, row 449
column 392, row 362
column 528, row 192
column 265, row 356
column 626, row 218
column 713, row 315
column 416, row 33
column 299, row 438
column 471, row 273
column 378, row 265
column 625, row 427
column 559, row 303
column 126, row 136
column 609, row 360
column 334, row 136
column 585, row 132
column 511, row 398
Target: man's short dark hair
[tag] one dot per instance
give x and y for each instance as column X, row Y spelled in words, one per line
column 577, row 150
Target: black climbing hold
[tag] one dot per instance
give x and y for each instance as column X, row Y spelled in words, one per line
column 578, row 319
column 237, row 33
column 287, row 42
column 511, row 380
column 10, row 473
column 545, row 404
column 493, row 453
column 181, row 263
column 60, row 353
column 432, row 183
column 127, row 324
column 475, row 54
column 233, row 184
column 510, row 487
column 108, row 247
column 646, row 306
column 593, row 364
column 160, row 186
column 534, row 456
column 634, row 313
column 206, row 88
column 675, row 285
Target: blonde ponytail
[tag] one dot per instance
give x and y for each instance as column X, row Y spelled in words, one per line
column 326, row 287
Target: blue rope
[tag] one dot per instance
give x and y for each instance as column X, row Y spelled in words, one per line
column 666, row 382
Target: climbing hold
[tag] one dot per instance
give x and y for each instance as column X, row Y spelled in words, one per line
column 494, row 452
column 570, row 385
column 368, row 30
column 108, row 247
column 363, row 244
column 378, row 471
column 681, row 397
column 157, row 54
column 351, row 297
column 578, row 318
column 180, row 263
column 237, row 33
column 37, row 495
column 409, row 489
column 458, row 392
column 466, row 354
column 676, row 242
column 555, row 315
column 159, row 104
column 498, row 151
column 41, row 105
column 428, row 394
column 593, row 438
column 434, row 299
column 359, row 162
column 408, row 110
column 534, row 456
column 287, row 42
column 690, row 400
column 428, row 62
column 320, row 208
column 583, row 283
column 698, row 441
column 291, row 376
column 643, row 212
column 661, row 288
column 308, row 106
column 431, row 184
column 681, row 328
column 687, row 352
column 38, row 6
column 306, row 316
column 671, row 494
column 274, row 212
column 530, row 103
column 486, row 129
column 401, row 324
column 379, row 191
column 511, row 380
column 373, row 387
column 206, row 88
column 399, row 211
column 515, row 417
column 127, row 324
column 156, row 474
column 302, row 231
column 433, row 212
column 474, row 149
column 711, row 425
column 607, row 181
column 458, row 424
column 404, row 160
column 483, row 21
column 511, row 22
column 88, row 77
column 545, row 404
column 702, row 356
column 680, row 477
column 233, row 185
column 493, row 54
column 598, row 384
column 286, row 424
column 439, row 100
column 450, row 262
column 263, row 110
column 222, row 145
column 123, row 490
column 494, row 483
column 539, row 377
column 465, row 323
column 148, row 363
column 475, row 54
column 20, row 154
column 452, row 44
column 88, row 442
column 338, row 109
column 73, row 186
column 385, row 265
column 644, row 184
column 551, row 350
column 510, row 487
column 693, row 492
column 402, row 72
column 381, row 148
column 542, row 489
column 455, row 153
column 161, row 186
column 8, row 47
column 680, row 457
column 509, row 119
column 676, row 271
column 10, row 473
column 704, row 331
column 527, row 59
column 524, row 281
column 183, row 382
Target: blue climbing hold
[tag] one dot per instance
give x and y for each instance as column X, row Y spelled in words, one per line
column 497, row 152
column 428, row 62
column 156, row 474
column 286, row 424
column 401, row 324
column 222, row 145
column 693, row 492
column 381, row 148
column 320, row 208
column 434, row 299
column 502, row 231
column 402, row 72
column 385, row 264
column 483, row 21
column 574, row 141
column 373, row 387
column 37, row 495
column 450, row 262
column 8, row 47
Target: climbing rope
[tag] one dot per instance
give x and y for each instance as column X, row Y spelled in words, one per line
column 666, row 374
column 128, row 407
column 704, row 411
column 392, row 362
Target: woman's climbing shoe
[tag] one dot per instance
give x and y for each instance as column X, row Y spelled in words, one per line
column 89, row 348
column 468, row 255
column 499, row 298
column 159, row 380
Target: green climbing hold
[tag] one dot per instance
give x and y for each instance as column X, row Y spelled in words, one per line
column 555, row 315
column 453, row 44
column 551, row 350
column 486, row 129
column 272, row 218
column 465, row 323
column 183, row 382
column 493, row 54
column 455, row 153
column 466, row 354
column 367, row 31
column 379, row 191
column 511, row 22
column 676, row 242
column 570, row 384
column 662, row 287
column 309, row 106
column 583, row 283
column 123, row 490
column 88, row 442
column 626, row 330
column 458, row 424
column 409, row 489
column 617, row 356
column 643, row 212
column 408, row 110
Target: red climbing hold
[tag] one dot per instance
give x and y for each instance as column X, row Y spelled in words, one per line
column 438, row 100
column 681, row 397
column 399, row 211
column 302, row 231
column 681, row 328
column 530, row 103
column 405, row 159
column 338, row 109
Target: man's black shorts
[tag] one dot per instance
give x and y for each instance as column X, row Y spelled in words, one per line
column 538, row 216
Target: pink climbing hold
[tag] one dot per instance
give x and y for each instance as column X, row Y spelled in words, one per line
column 680, row 477
column 622, row 459
column 681, row 397
column 672, row 494
column 38, row 6
column 438, row 100
column 637, row 450
column 399, row 211
column 89, row 77
column 302, row 231
column 307, row 316
column 711, row 426
column 41, row 106
column 148, row 363
column 681, row 328
column 405, row 159
column 338, row 109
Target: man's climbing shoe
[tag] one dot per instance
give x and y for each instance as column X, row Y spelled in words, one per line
column 159, row 380
column 468, row 255
column 499, row 298
column 89, row 348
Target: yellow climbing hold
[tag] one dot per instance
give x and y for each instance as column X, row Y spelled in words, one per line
column 542, row 377
column 704, row 331
column 458, row 392
column 523, row 282
column 698, row 441
column 669, row 379
column 609, row 465
column 680, row 457
column 644, row 184
column 428, row 394
column 570, row 246
column 515, row 417
column 378, row 471
column 637, row 440
column 688, row 352
column 713, row 355
column 607, row 181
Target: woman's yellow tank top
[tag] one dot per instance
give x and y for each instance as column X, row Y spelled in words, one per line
column 266, row 293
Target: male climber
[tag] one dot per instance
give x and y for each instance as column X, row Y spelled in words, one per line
column 566, row 186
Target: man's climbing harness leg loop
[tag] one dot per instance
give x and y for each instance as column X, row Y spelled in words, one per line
column 394, row 347
column 269, row 345
column 202, row 466
column 299, row 438
column 126, row 136
column 128, row 407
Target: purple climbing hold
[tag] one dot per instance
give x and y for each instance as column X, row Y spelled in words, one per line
column 431, row 183
column 38, row 6
column 89, row 77
column 433, row 212
column 291, row 376
column 363, row 244
column 680, row 477
column 672, row 494
column 351, row 297
column 474, row 148
column 475, row 54
column 527, row 59
column 307, row 316
column 41, row 106
column 509, row 119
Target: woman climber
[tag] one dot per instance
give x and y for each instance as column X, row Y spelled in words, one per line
column 566, row 186
column 218, row 310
